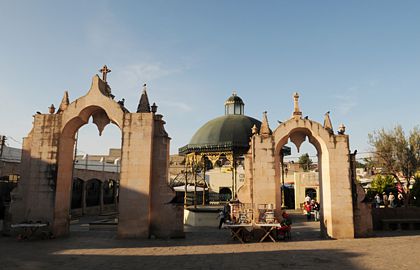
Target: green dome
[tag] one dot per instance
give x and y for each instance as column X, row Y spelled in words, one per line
column 225, row 132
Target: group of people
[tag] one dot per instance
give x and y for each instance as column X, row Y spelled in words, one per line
column 389, row 200
column 311, row 207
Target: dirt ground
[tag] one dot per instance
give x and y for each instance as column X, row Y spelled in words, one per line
column 210, row 248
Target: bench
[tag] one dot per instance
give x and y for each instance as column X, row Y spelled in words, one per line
column 30, row 230
column 401, row 224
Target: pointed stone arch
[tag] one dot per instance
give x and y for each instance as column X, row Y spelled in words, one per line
column 263, row 172
column 144, row 204
column 334, row 172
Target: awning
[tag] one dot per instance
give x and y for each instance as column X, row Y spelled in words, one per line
column 189, row 188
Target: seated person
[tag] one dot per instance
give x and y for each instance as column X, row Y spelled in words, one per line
column 286, row 221
column 285, row 225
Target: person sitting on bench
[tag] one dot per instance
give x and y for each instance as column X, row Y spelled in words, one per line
column 286, row 225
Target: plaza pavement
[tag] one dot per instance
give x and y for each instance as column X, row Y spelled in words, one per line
column 210, row 248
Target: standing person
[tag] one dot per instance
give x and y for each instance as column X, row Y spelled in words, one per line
column 316, row 208
column 308, row 210
column 391, row 199
column 307, row 198
column 400, row 198
column 222, row 218
column 377, row 200
column 385, row 199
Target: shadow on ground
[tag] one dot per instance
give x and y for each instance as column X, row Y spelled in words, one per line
column 70, row 255
column 202, row 248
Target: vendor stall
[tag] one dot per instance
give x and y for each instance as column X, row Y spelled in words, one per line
column 244, row 227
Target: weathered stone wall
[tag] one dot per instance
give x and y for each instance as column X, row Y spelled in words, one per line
column 166, row 218
column 393, row 213
column 91, row 174
column 136, row 173
column 363, row 226
column 362, row 210
column 337, row 194
column 33, row 200
column 304, row 180
column 261, row 185
column 9, row 168
column 200, row 218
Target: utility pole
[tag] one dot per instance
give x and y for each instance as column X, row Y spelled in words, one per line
column 2, row 144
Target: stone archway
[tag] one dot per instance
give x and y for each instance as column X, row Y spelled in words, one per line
column 44, row 192
column 334, row 172
column 263, row 170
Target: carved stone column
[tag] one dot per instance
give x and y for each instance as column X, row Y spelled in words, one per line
column 84, row 197
column 101, row 197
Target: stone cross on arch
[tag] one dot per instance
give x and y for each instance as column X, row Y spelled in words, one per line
column 104, row 70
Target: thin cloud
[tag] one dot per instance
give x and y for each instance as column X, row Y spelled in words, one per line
column 145, row 72
column 345, row 103
column 177, row 105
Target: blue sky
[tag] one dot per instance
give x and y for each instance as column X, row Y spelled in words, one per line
column 358, row 59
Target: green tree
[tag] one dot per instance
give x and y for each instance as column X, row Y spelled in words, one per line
column 305, row 162
column 395, row 153
column 382, row 183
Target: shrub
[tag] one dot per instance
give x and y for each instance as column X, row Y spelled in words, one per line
column 415, row 192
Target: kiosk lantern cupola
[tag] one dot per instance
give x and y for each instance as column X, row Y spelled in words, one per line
column 234, row 105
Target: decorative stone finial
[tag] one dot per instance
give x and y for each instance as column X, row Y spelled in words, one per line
column 121, row 102
column 154, row 108
column 265, row 129
column 51, row 109
column 104, row 70
column 296, row 112
column 327, row 122
column 254, row 129
column 64, row 103
column 341, row 129
column 144, row 105
column 234, row 93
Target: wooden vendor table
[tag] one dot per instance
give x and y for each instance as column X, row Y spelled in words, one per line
column 236, row 230
column 268, row 228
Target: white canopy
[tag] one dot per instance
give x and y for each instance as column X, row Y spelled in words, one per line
column 189, row 188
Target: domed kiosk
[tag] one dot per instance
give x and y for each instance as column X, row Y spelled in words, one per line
column 230, row 132
column 221, row 143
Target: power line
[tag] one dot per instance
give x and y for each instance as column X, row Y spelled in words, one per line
column 13, row 139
